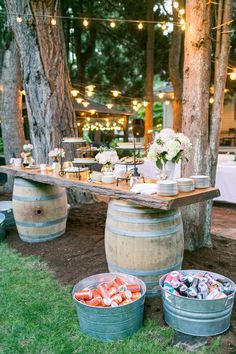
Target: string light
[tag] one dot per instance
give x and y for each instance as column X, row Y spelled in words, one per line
column 145, row 103
column 53, row 21
column 211, row 100
column 139, row 105
column 79, row 100
column 78, row 124
column 115, row 93
column 140, row 26
column 112, row 24
column 164, row 27
column 135, row 108
column 23, row 92
column 74, row 92
column 181, row 12
column 85, row 23
column 19, row 19
column 182, row 22
column 183, row 27
column 134, row 102
column 233, row 75
column 160, row 95
column 175, row 4
column 90, row 87
column 85, row 104
column 92, row 111
column 167, row 103
column 89, row 93
column 109, row 105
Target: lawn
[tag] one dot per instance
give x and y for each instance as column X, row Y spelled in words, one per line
column 37, row 315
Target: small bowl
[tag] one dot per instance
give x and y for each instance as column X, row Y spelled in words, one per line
column 108, row 178
column 96, row 176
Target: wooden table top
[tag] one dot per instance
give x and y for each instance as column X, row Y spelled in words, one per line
column 112, row 191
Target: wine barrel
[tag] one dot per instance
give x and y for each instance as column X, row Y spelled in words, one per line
column 143, row 242
column 40, row 210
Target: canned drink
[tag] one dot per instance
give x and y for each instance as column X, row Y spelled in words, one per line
column 83, row 295
column 95, row 301
column 228, row 289
column 173, row 291
column 175, row 274
column 176, row 285
column 213, row 294
column 125, row 302
column 136, row 296
column 95, row 293
column 200, row 296
column 195, row 282
column 114, row 304
column 126, row 295
column 168, row 278
column 112, row 291
column 119, row 284
column 203, row 289
column 103, row 290
column 183, row 290
column 82, row 301
column 133, row 288
column 210, row 277
column 106, row 302
column 183, row 278
column 190, row 279
column 191, row 293
column 117, row 298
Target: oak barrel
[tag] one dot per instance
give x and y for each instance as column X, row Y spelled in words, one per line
column 40, row 210
column 143, row 242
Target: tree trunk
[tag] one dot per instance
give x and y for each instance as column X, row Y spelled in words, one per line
column 149, row 72
column 197, row 65
column 45, row 74
column 220, row 75
column 176, row 72
column 11, row 106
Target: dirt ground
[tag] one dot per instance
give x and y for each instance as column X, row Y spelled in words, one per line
column 80, row 253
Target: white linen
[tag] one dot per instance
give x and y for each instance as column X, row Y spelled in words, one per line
column 226, row 181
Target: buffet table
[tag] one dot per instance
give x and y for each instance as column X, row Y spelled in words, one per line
column 143, row 235
column 112, row 191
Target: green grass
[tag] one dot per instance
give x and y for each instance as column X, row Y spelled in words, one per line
column 37, row 315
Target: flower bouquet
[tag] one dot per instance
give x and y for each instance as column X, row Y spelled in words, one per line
column 56, row 154
column 108, row 158
column 167, row 150
column 26, row 155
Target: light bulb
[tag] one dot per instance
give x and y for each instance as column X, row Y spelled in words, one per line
column 140, row 26
column 211, row 100
column 112, row 24
column 160, row 95
column 85, row 23
column 145, row 103
column 176, row 4
column 74, row 92
column 181, row 12
column 85, row 104
column 232, row 76
column 90, row 87
column 135, row 108
column 116, row 93
column 19, row 19
column 135, row 102
column 164, row 27
column 92, row 111
column 79, row 100
column 53, row 22
column 183, row 27
column 167, row 103
column 182, row 22
column 89, row 93
column 109, row 105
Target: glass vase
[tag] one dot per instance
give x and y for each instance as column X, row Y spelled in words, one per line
column 167, row 172
column 107, row 168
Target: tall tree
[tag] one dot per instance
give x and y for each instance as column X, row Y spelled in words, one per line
column 149, row 72
column 11, row 103
column 176, row 69
column 204, row 132
column 45, row 74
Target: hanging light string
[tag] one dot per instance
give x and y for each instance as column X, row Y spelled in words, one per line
column 86, row 20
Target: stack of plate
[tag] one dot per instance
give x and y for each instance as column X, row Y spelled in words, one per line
column 201, row 181
column 185, row 184
column 167, row 188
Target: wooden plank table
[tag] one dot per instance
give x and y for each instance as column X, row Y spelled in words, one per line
column 112, row 191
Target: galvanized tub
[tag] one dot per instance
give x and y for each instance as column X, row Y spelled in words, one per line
column 6, row 209
column 109, row 323
column 194, row 316
column 2, row 227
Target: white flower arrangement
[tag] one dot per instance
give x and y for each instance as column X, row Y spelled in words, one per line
column 56, row 153
column 169, row 146
column 107, row 156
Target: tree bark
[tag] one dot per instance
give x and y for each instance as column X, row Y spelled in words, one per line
column 176, row 72
column 11, row 106
column 149, row 72
column 197, row 65
column 220, row 75
column 45, row 74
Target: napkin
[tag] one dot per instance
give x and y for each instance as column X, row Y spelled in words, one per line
column 144, row 188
